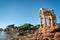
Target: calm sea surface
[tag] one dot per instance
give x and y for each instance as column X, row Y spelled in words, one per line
column 6, row 36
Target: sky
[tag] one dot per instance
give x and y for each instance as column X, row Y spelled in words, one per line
column 19, row 12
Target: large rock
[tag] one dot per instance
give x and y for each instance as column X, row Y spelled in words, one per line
column 57, row 36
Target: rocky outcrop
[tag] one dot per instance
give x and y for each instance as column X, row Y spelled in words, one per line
column 49, row 31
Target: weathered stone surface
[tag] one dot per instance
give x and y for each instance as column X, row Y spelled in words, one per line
column 57, row 36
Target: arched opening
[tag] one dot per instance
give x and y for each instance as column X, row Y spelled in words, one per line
column 49, row 21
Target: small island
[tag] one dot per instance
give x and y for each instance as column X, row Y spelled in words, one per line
column 1, row 29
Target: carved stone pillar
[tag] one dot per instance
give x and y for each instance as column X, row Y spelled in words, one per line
column 45, row 24
column 54, row 21
column 51, row 22
column 40, row 22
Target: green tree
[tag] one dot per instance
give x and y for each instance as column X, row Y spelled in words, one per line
column 25, row 26
column 11, row 26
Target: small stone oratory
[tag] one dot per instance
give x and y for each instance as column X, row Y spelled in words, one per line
column 47, row 14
